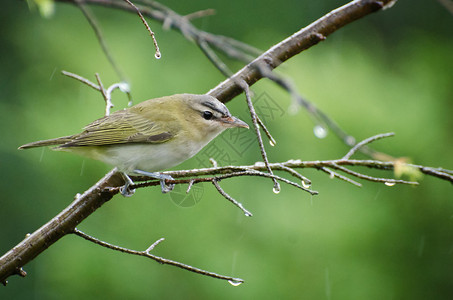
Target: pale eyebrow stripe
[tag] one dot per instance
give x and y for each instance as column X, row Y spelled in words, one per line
column 213, row 107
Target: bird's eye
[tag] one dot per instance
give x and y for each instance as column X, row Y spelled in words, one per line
column 207, row 115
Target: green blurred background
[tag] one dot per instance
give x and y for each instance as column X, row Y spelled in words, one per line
column 391, row 71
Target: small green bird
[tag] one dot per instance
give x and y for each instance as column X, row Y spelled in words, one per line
column 151, row 136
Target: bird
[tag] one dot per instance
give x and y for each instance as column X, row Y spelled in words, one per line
column 151, row 136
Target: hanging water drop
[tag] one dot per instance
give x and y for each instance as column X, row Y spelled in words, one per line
column 272, row 143
column 124, row 87
column 305, row 185
column 350, row 140
column 234, row 282
column 276, row 188
column 389, row 183
column 320, row 132
column 157, row 55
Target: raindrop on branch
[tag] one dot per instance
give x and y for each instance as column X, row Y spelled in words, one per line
column 320, row 132
column 234, row 282
column 276, row 188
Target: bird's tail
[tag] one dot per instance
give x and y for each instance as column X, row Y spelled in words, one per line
column 51, row 142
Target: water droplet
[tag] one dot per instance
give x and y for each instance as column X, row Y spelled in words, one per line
column 276, row 188
column 320, row 132
column 272, row 143
column 390, row 183
column 247, row 214
column 234, row 282
column 157, row 55
column 350, row 140
column 124, row 87
column 332, row 175
column 305, row 185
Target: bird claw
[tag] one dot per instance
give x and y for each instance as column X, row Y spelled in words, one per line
column 162, row 178
column 163, row 186
column 126, row 191
column 166, row 188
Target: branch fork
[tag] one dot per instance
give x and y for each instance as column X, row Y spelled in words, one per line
column 12, row 262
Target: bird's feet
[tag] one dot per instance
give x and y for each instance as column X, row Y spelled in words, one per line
column 162, row 177
column 125, row 190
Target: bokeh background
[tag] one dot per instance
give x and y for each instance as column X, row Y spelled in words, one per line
column 391, row 71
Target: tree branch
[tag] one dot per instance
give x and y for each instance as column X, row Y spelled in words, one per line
column 65, row 222
column 296, row 43
column 146, row 253
column 12, row 262
column 62, row 224
column 237, row 50
column 276, row 55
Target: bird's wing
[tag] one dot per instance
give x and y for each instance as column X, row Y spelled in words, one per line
column 119, row 128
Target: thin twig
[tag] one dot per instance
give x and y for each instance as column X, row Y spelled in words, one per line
column 200, row 14
column 107, row 98
column 213, row 162
column 123, row 87
column 157, row 11
column 189, row 186
column 372, row 178
column 221, row 173
column 296, row 174
column 81, row 79
column 106, row 93
column 154, row 257
column 253, row 114
column 154, row 245
column 97, row 31
column 334, row 174
column 231, row 199
column 366, row 141
column 266, row 131
column 215, row 60
column 284, row 180
column 151, row 33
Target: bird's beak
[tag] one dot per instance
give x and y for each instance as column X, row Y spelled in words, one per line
column 234, row 122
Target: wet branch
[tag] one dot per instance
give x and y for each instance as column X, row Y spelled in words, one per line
column 12, row 262
column 106, row 93
column 65, row 222
column 161, row 260
column 243, row 52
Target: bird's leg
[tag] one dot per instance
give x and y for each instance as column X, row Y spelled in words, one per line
column 125, row 191
column 162, row 177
